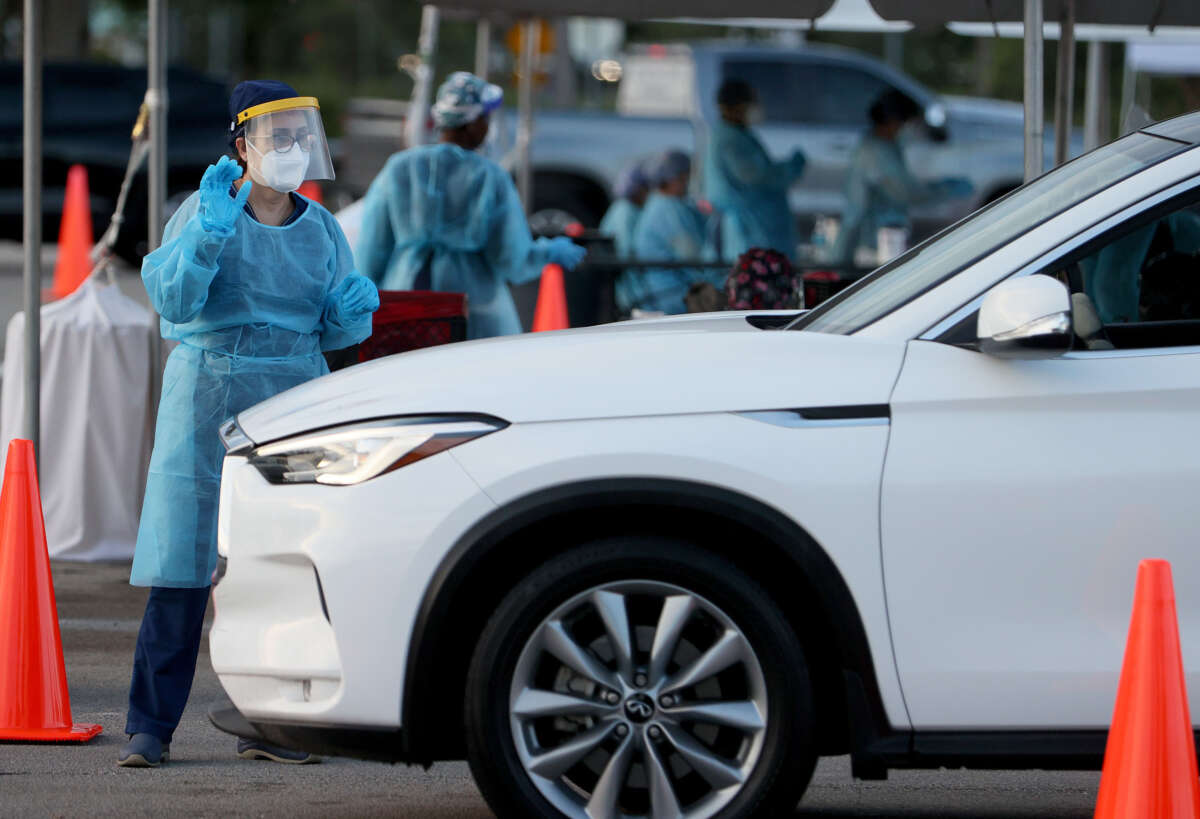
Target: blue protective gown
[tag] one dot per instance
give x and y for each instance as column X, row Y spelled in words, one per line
column 620, row 222
column 750, row 191
column 879, row 190
column 438, row 217
column 1113, row 276
column 670, row 229
column 251, row 314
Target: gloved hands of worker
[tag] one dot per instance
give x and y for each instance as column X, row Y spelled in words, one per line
column 219, row 210
column 356, row 296
column 955, row 186
column 562, row 251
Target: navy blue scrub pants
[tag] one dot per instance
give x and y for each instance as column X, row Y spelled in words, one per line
column 164, row 662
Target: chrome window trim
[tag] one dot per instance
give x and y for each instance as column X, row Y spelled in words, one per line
column 1065, row 248
column 1141, row 352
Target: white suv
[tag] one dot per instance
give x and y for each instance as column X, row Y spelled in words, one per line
column 658, row 568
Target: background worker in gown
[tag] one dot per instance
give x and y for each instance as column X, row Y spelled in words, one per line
column 620, row 220
column 746, row 186
column 671, row 229
column 442, row 217
column 880, row 188
column 254, row 282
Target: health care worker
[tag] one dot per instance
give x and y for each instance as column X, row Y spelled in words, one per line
column 879, row 186
column 671, row 229
column 744, row 183
column 254, row 282
column 620, row 220
column 442, row 217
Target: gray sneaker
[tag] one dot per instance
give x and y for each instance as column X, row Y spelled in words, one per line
column 143, row 751
column 251, row 749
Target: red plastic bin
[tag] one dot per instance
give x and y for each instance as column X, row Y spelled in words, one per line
column 412, row 319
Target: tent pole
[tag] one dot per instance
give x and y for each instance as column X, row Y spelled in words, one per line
column 1064, row 92
column 156, row 102
column 529, row 44
column 1034, row 104
column 423, row 83
column 156, row 171
column 1094, row 93
column 483, row 47
column 33, row 221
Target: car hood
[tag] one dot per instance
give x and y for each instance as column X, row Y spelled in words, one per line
column 696, row 364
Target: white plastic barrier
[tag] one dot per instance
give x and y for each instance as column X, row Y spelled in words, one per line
column 97, row 418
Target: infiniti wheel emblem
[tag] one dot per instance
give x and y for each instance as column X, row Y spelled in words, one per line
column 639, row 708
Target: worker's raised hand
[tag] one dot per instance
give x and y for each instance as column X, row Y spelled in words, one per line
column 563, row 251
column 355, row 297
column 219, row 210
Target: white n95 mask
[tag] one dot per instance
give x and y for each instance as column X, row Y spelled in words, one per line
column 279, row 170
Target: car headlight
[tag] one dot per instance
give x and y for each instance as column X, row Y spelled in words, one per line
column 351, row 454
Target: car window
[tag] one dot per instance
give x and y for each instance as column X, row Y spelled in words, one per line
column 1142, row 282
column 929, row 264
column 811, row 93
column 778, row 84
column 846, row 95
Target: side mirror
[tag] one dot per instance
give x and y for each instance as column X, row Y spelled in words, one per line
column 935, row 122
column 1028, row 317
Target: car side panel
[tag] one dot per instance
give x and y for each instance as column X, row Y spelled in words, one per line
column 826, row 479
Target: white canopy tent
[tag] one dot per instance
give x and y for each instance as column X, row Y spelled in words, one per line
column 1184, row 38
column 844, row 15
column 1148, row 57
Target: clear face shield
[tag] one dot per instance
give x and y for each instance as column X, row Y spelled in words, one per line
column 285, row 143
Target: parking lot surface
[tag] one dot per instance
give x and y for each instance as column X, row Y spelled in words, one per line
column 99, row 614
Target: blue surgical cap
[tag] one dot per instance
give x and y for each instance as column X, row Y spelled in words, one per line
column 464, row 98
column 251, row 93
column 630, row 180
column 667, row 166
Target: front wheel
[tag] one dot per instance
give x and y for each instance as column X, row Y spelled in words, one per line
column 639, row 677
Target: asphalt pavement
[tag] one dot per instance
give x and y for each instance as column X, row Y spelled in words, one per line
column 99, row 615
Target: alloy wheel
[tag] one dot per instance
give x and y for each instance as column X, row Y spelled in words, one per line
column 638, row 698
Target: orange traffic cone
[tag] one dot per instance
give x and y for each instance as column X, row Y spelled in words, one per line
column 551, row 311
column 74, row 235
column 34, row 701
column 311, row 190
column 1150, row 761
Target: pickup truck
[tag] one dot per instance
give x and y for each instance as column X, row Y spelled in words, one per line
column 814, row 98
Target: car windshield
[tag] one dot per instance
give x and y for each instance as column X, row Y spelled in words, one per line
column 931, row 263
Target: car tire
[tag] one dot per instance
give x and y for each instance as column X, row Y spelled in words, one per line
column 681, row 607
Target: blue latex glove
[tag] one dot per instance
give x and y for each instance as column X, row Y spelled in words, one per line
column 561, row 250
column 956, row 186
column 219, row 210
column 356, row 296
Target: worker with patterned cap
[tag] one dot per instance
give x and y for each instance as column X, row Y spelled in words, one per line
column 443, row 217
column 254, row 281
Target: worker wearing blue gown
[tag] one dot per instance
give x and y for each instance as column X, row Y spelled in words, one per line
column 671, row 228
column 746, row 186
column 442, row 217
column 1113, row 277
column 880, row 188
column 620, row 220
column 254, row 282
